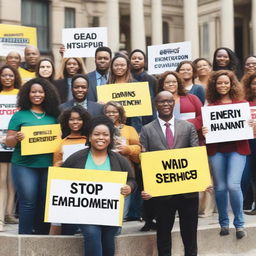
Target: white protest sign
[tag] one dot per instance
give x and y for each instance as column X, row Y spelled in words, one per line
column 68, row 150
column 81, row 196
column 166, row 57
column 7, row 109
column 82, row 42
column 227, row 122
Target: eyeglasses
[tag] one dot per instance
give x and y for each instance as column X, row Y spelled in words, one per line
column 162, row 102
column 7, row 75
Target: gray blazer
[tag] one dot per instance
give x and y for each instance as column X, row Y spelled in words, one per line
column 153, row 139
column 94, row 108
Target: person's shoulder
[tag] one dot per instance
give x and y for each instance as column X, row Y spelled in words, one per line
column 183, row 123
column 80, row 154
column 150, row 125
column 91, row 74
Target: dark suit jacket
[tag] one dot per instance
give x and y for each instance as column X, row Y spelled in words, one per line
column 94, row 108
column 153, row 139
column 62, row 87
column 92, row 92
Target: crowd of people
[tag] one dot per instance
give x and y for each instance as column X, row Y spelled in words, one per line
column 105, row 139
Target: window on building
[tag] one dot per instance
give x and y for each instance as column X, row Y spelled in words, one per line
column 70, row 17
column 35, row 13
column 165, row 32
column 205, row 41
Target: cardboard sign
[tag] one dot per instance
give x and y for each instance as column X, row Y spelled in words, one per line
column 253, row 116
column 7, row 109
column 81, row 196
column 40, row 139
column 227, row 122
column 16, row 38
column 82, row 42
column 166, row 57
column 134, row 97
column 175, row 171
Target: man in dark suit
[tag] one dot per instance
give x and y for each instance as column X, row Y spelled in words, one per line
column 164, row 133
column 99, row 76
column 79, row 87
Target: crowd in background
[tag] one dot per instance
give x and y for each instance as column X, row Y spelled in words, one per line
column 68, row 95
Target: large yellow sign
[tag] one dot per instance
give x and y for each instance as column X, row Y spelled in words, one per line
column 84, row 196
column 134, row 97
column 175, row 171
column 16, row 38
column 40, row 139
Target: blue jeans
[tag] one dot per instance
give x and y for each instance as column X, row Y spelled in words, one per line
column 227, row 170
column 30, row 184
column 99, row 240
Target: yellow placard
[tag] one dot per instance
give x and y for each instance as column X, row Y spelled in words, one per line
column 134, row 97
column 175, row 171
column 16, row 38
column 84, row 196
column 40, row 139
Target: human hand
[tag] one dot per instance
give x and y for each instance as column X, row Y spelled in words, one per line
column 126, row 190
column 145, row 195
column 19, row 136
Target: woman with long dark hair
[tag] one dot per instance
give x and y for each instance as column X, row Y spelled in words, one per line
column 38, row 105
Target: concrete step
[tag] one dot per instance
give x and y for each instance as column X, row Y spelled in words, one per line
column 132, row 242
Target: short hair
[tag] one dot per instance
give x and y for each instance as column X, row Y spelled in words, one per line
column 143, row 53
column 85, row 77
column 17, row 78
column 181, row 88
column 63, row 72
column 103, row 49
column 102, row 120
column 247, row 86
column 128, row 76
column 235, row 92
column 120, row 109
column 64, row 120
column 52, row 76
column 191, row 64
column 51, row 102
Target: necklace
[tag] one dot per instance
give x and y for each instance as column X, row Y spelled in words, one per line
column 38, row 116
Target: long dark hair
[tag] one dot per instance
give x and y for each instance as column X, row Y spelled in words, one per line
column 52, row 76
column 51, row 102
column 17, row 78
column 65, row 116
column 247, row 86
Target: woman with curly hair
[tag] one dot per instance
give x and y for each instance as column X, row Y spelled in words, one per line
column 69, row 68
column 38, row 105
column 100, row 239
column 45, row 69
column 187, row 71
column 225, row 58
column 227, row 159
column 74, row 124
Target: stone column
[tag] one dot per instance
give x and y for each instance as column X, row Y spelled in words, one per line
column 253, row 22
column 138, row 39
column 227, row 23
column 113, row 23
column 10, row 12
column 190, row 9
column 157, row 23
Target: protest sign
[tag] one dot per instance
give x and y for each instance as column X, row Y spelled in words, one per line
column 253, row 116
column 227, row 122
column 16, row 38
column 7, row 109
column 134, row 97
column 84, row 196
column 166, row 57
column 40, row 139
column 175, row 171
column 82, row 42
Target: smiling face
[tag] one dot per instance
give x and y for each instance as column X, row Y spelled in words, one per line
column 250, row 65
column 171, row 84
column 120, row 67
column 113, row 114
column 222, row 58
column 13, row 59
column 7, row 79
column 203, row 68
column 165, row 104
column 36, row 94
column 100, row 138
column 80, row 89
column 223, row 85
column 186, row 71
column 75, row 123
column 72, row 67
column 45, row 69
